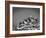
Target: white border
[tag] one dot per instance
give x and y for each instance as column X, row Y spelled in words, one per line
column 25, row 6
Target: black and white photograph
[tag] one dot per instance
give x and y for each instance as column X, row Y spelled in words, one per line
column 26, row 19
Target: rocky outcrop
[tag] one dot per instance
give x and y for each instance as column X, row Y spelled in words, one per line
column 30, row 23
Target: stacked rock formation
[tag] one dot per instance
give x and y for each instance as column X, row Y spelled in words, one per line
column 29, row 23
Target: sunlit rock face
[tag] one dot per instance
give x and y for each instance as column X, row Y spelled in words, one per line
column 30, row 23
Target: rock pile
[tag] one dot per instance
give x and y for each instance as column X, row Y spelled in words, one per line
column 29, row 23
